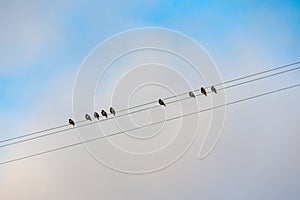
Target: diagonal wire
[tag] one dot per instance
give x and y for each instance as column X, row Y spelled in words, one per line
column 144, row 109
column 229, row 81
column 151, row 124
column 152, row 102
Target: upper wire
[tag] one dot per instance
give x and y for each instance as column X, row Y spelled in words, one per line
column 152, row 102
column 147, row 125
column 144, row 109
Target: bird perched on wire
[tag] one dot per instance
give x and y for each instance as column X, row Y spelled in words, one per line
column 71, row 122
column 87, row 117
column 103, row 113
column 203, row 91
column 161, row 102
column 191, row 94
column 112, row 111
column 213, row 89
column 96, row 115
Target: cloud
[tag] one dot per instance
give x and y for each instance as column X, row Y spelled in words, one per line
column 257, row 145
column 257, row 156
column 28, row 30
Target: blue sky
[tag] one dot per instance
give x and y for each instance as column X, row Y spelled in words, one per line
column 76, row 27
column 43, row 43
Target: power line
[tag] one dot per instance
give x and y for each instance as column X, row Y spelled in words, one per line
column 140, row 105
column 144, row 109
column 182, row 99
column 151, row 124
column 37, row 132
column 218, row 84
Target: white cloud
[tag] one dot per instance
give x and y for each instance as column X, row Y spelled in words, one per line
column 26, row 32
column 256, row 158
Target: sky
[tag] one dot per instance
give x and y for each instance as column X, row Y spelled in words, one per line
column 43, row 44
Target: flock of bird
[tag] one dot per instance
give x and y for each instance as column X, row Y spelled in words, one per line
column 160, row 101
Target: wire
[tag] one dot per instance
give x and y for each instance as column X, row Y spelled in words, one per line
column 151, row 124
column 37, row 132
column 144, row 109
column 140, row 105
column 229, row 81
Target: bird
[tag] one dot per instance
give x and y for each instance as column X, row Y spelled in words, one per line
column 112, row 111
column 161, row 102
column 87, row 117
column 191, row 94
column 203, row 91
column 213, row 89
column 103, row 113
column 96, row 115
column 71, row 122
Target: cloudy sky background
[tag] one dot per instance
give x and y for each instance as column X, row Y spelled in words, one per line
column 42, row 45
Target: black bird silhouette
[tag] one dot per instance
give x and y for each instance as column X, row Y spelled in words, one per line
column 203, row 91
column 103, row 113
column 161, row 102
column 112, row 111
column 191, row 94
column 71, row 122
column 87, row 117
column 96, row 115
column 213, row 89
